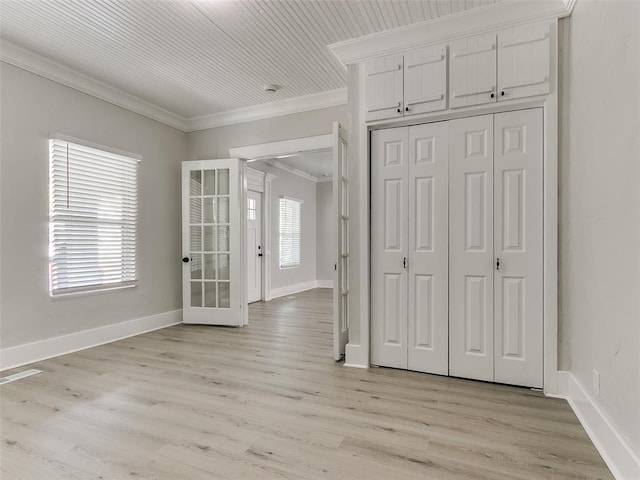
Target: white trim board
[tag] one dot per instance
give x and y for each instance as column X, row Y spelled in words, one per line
column 623, row 462
column 32, row 62
column 295, row 288
column 324, row 283
column 291, row 170
column 448, row 28
column 330, row 98
column 53, row 347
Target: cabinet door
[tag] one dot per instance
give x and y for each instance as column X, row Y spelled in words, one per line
column 428, row 344
column 389, row 198
column 471, row 247
column 518, row 246
column 472, row 71
column 524, row 61
column 383, row 88
column 425, row 80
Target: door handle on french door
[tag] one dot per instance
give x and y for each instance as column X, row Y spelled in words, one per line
column 404, row 262
column 185, row 259
column 498, row 264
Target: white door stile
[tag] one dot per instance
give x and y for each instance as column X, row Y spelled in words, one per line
column 341, row 236
column 428, row 318
column 471, row 248
column 518, row 239
column 389, row 248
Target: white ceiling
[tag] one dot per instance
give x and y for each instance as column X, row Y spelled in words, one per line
column 201, row 57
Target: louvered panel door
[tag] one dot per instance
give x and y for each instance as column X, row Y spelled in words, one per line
column 472, row 71
column 389, row 249
column 383, row 89
column 428, row 323
column 524, row 61
column 425, row 80
column 471, row 248
column 518, row 248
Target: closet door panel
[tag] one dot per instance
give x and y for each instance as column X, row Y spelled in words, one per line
column 389, row 246
column 471, row 248
column 518, row 246
column 428, row 326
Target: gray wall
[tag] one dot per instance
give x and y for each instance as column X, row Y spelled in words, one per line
column 33, row 108
column 325, row 231
column 291, row 185
column 600, row 208
column 216, row 142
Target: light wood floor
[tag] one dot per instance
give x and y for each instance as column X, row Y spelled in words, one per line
column 267, row 401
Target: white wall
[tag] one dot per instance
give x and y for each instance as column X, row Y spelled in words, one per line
column 216, row 142
column 600, row 206
column 33, row 108
column 293, row 186
column 325, row 232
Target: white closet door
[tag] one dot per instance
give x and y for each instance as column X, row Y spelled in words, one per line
column 425, row 80
column 472, row 71
column 428, row 343
column 389, row 249
column 518, row 247
column 471, row 247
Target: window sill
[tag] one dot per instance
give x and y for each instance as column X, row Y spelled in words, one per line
column 93, row 291
column 290, row 267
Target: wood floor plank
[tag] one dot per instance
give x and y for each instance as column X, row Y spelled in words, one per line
column 268, row 402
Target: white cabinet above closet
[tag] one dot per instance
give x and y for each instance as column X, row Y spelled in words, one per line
column 513, row 63
column 408, row 84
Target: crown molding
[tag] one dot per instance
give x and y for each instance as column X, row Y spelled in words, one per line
column 293, row 171
column 330, row 98
column 34, row 63
column 451, row 27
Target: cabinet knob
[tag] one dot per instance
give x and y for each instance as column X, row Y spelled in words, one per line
column 493, row 95
column 407, row 109
column 502, row 93
column 399, row 110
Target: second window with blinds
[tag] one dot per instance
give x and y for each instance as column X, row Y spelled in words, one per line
column 290, row 232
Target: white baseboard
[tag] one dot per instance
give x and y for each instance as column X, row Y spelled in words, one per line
column 325, row 283
column 295, row 288
column 52, row 347
column 623, row 462
column 352, row 357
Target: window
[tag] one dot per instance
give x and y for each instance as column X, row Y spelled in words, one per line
column 290, row 232
column 93, row 209
column 251, row 208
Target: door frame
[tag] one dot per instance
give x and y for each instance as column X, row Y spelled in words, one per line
column 262, row 151
column 358, row 351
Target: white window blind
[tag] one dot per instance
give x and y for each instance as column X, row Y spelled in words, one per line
column 93, row 215
column 290, row 232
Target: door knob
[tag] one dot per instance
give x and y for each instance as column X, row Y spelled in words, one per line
column 259, row 254
column 493, row 95
column 185, row 259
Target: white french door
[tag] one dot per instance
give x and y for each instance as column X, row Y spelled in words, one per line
column 254, row 246
column 212, row 277
column 341, row 248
